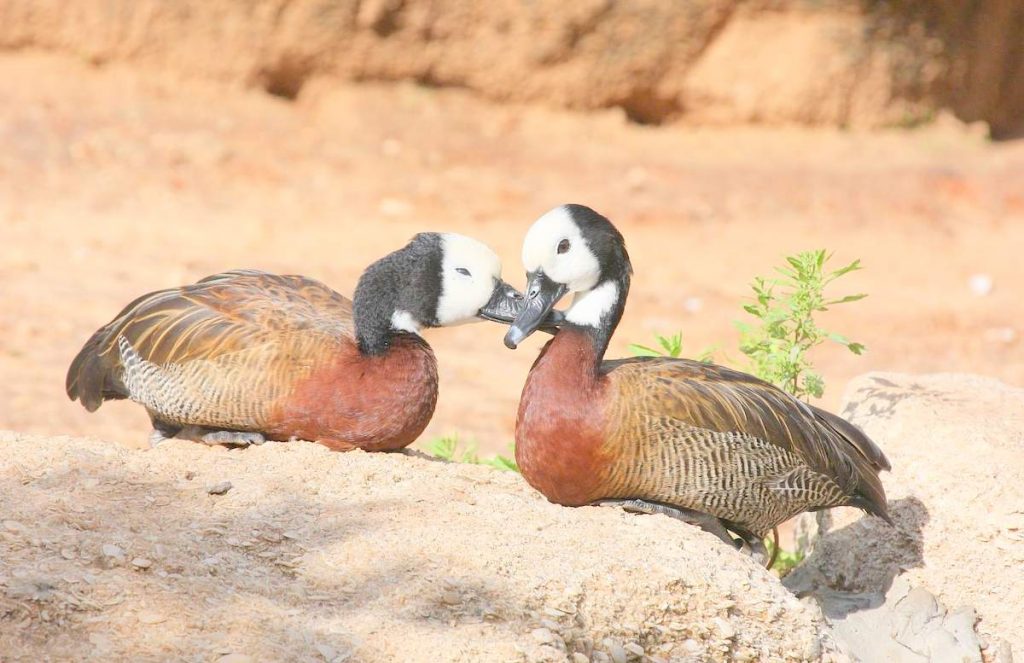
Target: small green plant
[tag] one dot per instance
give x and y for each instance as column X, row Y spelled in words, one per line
column 447, row 448
column 786, row 331
column 785, row 561
column 670, row 346
column 779, row 344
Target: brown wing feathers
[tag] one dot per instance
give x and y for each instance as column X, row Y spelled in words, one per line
column 219, row 314
column 722, row 400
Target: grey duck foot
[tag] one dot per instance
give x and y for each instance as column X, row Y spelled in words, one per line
column 227, row 438
column 161, row 431
column 754, row 544
column 231, row 438
column 706, row 522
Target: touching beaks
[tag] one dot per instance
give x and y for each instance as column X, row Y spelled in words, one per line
column 507, row 303
column 536, row 310
column 504, row 304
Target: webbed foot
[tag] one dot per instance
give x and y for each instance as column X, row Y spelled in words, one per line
column 230, row 438
column 706, row 522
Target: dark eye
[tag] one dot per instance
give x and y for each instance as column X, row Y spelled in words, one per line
column 563, row 246
column 462, row 270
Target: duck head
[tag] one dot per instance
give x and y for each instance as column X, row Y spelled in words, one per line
column 436, row 280
column 573, row 249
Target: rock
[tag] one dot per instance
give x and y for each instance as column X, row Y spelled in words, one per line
column 219, row 488
column 141, row 563
column 616, row 651
column 542, row 635
column 111, row 555
column 955, row 492
column 634, row 648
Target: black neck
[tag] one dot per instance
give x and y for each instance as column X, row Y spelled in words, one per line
column 373, row 306
column 406, row 280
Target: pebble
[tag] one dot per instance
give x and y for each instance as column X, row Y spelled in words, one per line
column 141, row 563
column 451, row 598
column 579, row 657
column 13, row 526
column 691, row 645
column 617, row 652
column 234, row 658
column 725, row 629
column 542, row 635
column 980, row 284
column 635, row 649
column 219, row 489
column 68, row 553
column 329, row 653
column 112, row 551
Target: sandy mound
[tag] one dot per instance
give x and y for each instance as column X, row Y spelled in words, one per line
column 837, row 63
column 956, row 443
column 110, row 554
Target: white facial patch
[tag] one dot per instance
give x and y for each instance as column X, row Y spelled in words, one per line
column 589, row 308
column 577, row 267
column 403, row 321
column 469, row 271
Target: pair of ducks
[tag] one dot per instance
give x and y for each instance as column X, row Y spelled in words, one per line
column 245, row 356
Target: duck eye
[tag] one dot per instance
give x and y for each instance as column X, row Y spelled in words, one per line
column 463, row 271
column 563, row 246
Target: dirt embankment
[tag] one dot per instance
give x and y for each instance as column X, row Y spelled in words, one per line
column 713, row 61
column 112, row 554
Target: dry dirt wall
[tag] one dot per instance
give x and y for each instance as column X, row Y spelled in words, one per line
column 707, row 61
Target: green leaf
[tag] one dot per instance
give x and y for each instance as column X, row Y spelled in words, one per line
column 852, row 267
column 443, row 447
column 856, row 348
column 844, row 300
column 502, row 463
column 643, row 351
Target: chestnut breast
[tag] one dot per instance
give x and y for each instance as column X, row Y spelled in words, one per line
column 376, row 403
column 561, row 424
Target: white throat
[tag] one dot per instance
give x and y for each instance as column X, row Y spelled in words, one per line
column 590, row 307
column 403, row 321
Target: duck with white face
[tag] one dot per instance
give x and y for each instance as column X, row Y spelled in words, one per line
column 246, row 356
column 702, row 443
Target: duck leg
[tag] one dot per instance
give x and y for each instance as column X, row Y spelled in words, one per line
column 706, row 522
column 227, row 438
column 756, row 544
column 161, row 431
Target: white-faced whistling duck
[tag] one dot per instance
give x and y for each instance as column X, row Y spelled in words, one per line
column 709, row 445
column 245, row 356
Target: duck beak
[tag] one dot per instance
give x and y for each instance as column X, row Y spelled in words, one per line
column 536, row 311
column 504, row 305
column 507, row 303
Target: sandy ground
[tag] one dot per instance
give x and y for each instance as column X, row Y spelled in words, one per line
column 114, row 554
column 115, row 182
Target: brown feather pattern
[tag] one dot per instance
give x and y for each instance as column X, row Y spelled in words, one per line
column 234, row 350
column 699, row 436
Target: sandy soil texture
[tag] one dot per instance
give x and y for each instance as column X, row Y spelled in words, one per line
column 115, row 182
column 116, row 554
column 955, row 443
